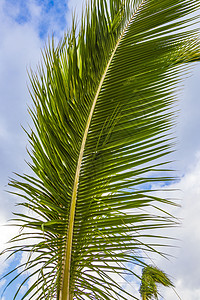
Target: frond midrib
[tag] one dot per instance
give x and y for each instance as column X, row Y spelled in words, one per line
column 65, row 291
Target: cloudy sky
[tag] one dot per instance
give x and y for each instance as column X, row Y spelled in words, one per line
column 24, row 28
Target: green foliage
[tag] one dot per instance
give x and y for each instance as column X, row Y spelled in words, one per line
column 103, row 108
column 150, row 277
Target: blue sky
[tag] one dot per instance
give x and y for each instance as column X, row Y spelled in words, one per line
column 24, row 29
column 52, row 14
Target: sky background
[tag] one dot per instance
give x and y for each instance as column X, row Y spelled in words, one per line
column 24, row 29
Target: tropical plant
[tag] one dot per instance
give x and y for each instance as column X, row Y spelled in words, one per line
column 151, row 276
column 103, row 108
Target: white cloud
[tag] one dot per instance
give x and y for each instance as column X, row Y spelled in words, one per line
column 185, row 266
column 35, row 10
column 6, row 233
column 183, row 292
column 19, row 48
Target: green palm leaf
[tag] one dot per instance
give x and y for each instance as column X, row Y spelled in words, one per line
column 151, row 276
column 103, row 111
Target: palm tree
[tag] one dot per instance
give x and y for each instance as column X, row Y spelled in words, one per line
column 103, row 108
column 151, row 276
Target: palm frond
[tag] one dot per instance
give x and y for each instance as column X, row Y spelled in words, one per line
column 151, row 276
column 103, row 109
